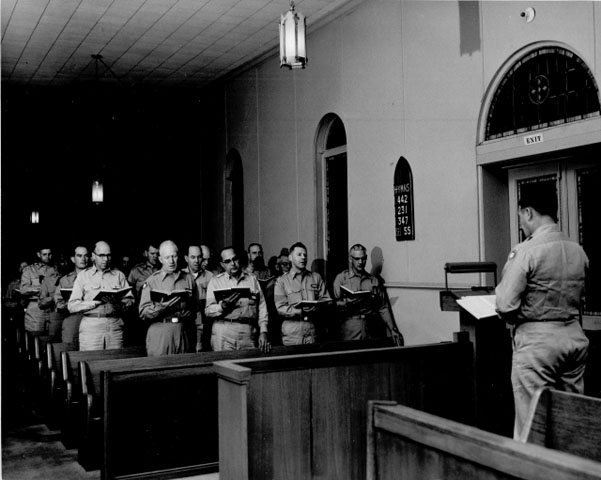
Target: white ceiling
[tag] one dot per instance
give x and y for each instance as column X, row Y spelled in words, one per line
column 191, row 42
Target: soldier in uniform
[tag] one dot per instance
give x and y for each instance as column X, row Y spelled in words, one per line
column 194, row 259
column 102, row 324
column 541, row 295
column 70, row 327
column 36, row 320
column 300, row 325
column 169, row 301
column 364, row 311
column 236, row 318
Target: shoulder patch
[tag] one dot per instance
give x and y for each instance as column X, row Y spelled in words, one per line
column 145, row 285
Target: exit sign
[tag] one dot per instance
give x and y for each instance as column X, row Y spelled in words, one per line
column 532, row 139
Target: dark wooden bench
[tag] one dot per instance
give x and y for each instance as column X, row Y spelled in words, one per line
column 35, row 369
column 53, row 396
column 70, row 421
column 565, row 421
column 304, row 417
column 160, row 414
column 403, row 442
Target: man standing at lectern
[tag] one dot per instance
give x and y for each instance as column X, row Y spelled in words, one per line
column 541, row 296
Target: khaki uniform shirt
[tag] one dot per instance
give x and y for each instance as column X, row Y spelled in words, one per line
column 66, row 281
column 86, row 286
column 139, row 274
column 202, row 279
column 246, row 308
column 543, row 278
column 294, row 286
column 32, row 279
column 161, row 280
column 46, row 300
column 374, row 306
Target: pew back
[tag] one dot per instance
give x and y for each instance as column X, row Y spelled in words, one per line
column 160, row 413
column 408, row 443
column 92, row 369
column 70, row 359
column 304, row 417
column 565, row 421
column 71, row 427
column 53, row 390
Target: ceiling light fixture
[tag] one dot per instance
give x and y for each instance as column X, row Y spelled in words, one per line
column 97, row 192
column 293, row 52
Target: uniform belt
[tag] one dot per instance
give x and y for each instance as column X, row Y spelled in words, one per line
column 244, row 321
column 302, row 318
column 101, row 315
column 359, row 317
column 543, row 320
column 171, row 320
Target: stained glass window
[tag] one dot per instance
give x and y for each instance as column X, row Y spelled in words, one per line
column 546, row 87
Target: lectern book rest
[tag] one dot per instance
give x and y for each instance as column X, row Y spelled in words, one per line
column 479, row 306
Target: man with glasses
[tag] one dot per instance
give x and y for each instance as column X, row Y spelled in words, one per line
column 300, row 324
column 362, row 301
column 236, row 316
column 36, row 320
column 70, row 327
column 102, row 324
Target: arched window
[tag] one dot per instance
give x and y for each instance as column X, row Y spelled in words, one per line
column 546, row 87
column 332, row 197
column 234, row 198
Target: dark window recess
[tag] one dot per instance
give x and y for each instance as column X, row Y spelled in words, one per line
column 547, row 87
column 589, row 215
column 336, row 135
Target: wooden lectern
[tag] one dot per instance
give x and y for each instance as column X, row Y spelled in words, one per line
column 492, row 346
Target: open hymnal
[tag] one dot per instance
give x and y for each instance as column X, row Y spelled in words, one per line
column 222, row 293
column 113, row 294
column 347, row 292
column 66, row 293
column 157, row 295
column 479, row 306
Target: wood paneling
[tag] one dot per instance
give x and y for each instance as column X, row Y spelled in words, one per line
column 565, row 421
column 160, row 414
column 305, row 416
column 407, row 443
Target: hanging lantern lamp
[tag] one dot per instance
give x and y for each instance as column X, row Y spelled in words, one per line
column 97, row 192
column 293, row 51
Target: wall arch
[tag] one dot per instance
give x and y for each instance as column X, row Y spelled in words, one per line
column 234, row 199
column 331, row 187
column 506, row 69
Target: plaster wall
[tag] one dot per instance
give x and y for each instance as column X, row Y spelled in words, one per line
column 407, row 78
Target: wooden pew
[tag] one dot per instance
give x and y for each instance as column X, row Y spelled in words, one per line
column 408, row 443
column 304, row 417
column 160, row 413
column 70, row 421
column 35, row 370
column 53, row 386
column 565, row 421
